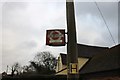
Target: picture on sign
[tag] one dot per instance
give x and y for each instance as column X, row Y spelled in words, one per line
column 55, row 37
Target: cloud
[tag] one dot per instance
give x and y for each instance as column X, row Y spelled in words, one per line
column 27, row 45
column 24, row 29
column 89, row 21
column 0, row 36
column 25, row 24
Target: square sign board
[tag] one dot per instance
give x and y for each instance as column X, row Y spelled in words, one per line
column 55, row 37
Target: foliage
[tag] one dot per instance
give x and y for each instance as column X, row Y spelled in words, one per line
column 15, row 68
column 44, row 63
column 28, row 69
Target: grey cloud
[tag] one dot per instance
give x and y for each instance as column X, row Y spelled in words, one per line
column 108, row 9
column 14, row 5
column 89, row 19
column 27, row 45
column 25, row 25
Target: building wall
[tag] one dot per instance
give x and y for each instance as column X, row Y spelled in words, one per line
column 81, row 62
column 64, row 72
column 60, row 66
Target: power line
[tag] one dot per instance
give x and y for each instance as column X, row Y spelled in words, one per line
column 105, row 22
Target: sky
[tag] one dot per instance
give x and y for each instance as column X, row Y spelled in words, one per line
column 24, row 24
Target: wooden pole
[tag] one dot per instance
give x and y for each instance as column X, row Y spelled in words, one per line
column 72, row 54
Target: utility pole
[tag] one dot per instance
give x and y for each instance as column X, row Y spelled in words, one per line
column 72, row 54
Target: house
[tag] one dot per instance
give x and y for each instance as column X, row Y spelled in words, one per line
column 61, row 68
column 103, row 66
column 95, row 63
column 85, row 52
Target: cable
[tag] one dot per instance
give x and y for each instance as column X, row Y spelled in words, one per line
column 105, row 22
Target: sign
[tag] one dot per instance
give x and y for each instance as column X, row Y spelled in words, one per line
column 73, row 68
column 55, row 37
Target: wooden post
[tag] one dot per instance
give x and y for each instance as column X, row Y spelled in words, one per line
column 72, row 54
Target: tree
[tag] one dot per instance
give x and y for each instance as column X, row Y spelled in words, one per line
column 15, row 68
column 44, row 63
column 28, row 69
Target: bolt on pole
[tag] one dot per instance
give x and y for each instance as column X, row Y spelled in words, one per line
column 72, row 54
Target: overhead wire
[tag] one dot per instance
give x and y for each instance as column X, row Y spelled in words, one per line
column 105, row 22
